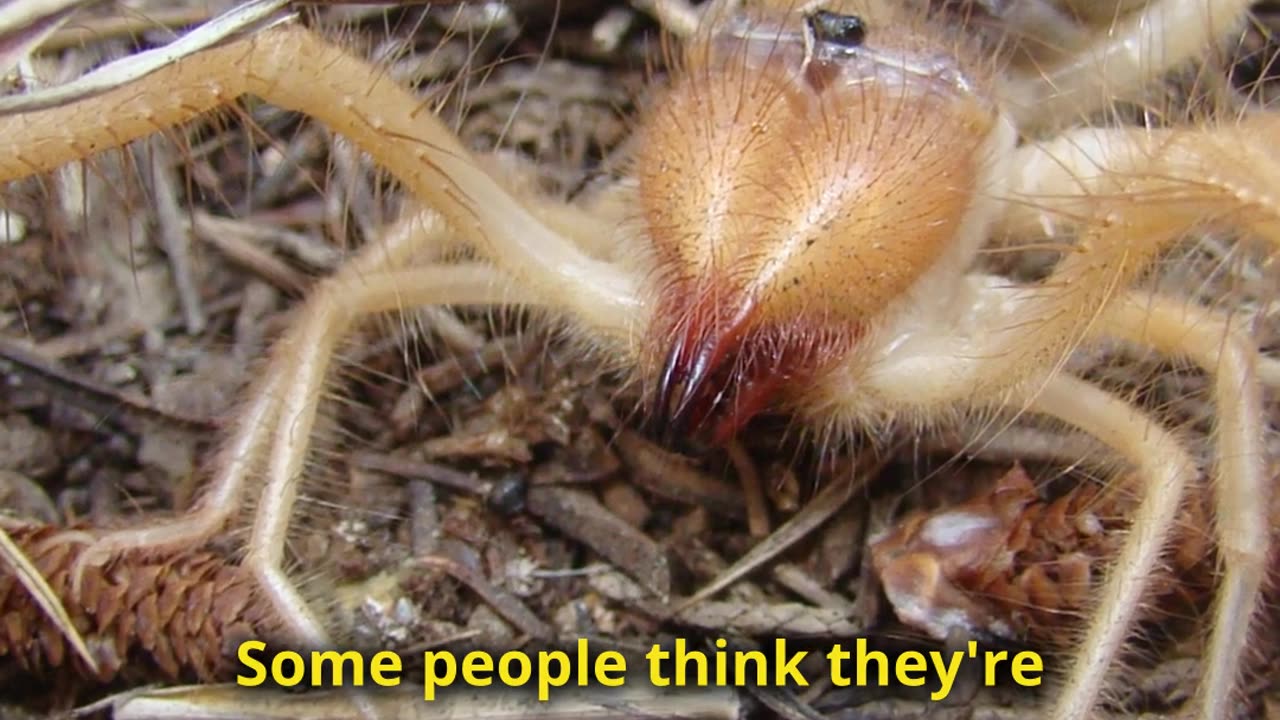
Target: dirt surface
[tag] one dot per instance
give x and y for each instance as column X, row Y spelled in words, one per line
column 480, row 483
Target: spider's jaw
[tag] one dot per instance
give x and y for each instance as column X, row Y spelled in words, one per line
column 721, row 367
column 703, row 384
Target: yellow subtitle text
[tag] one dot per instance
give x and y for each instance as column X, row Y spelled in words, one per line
column 681, row 665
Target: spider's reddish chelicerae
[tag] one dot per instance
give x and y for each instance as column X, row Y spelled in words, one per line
column 798, row 230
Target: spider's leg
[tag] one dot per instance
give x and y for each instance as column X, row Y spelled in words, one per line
column 1007, row 345
column 241, row 454
column 959, row 358
column 1225, row 175
column 293, row 68
column 390, row 124
column 1243, row 488
column 1125, row 196
column 1152, row 187
column 301, row 361
column 1137, row 50
column 1165, row 470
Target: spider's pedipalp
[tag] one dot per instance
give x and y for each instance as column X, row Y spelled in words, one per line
column 1225, row 174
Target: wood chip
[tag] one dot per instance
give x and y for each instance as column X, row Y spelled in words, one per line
column 578, row 515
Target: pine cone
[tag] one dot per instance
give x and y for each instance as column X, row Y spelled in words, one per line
column 177, row 616
column 1009, row 564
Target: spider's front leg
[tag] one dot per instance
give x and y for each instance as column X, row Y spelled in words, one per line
column 1224, row 175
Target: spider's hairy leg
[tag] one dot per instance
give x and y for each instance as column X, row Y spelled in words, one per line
column 1138, row 49
column 990, row 356
column 293, row 68
column 1153, row 187
column 241, row 454
column 1165, row 469
column 1226, row 173
column 301, row 360
column 1000, row 346
column 390, row 124
column 1218, row 346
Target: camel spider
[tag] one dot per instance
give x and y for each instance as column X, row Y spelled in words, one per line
column 798, row 231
